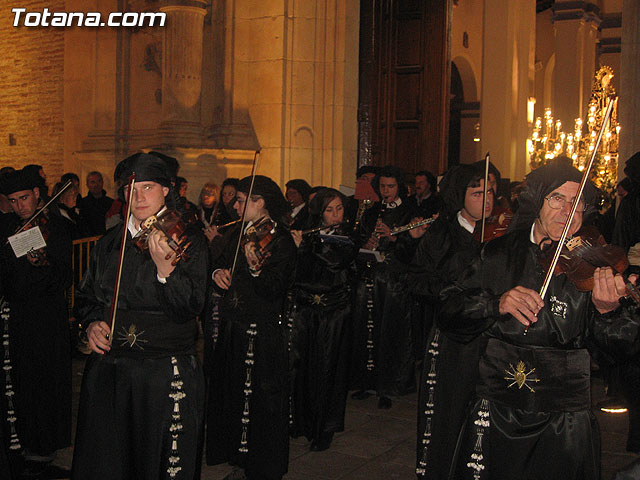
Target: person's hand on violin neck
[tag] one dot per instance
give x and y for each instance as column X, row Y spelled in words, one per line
column 608, row 289
column 522, row 303
column 161, row 253
column 250, row 252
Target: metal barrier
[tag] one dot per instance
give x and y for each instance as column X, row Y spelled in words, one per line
column 80, row 262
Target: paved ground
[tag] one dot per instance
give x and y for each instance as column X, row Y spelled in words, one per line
column 380, row 444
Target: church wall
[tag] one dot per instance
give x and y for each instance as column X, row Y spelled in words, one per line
column 467, row 18
column 31, row 93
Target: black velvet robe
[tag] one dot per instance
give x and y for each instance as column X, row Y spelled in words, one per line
column 129, row 396
column 321, row 335
column 448, row 376
column 252, row 300
column 39, row 339
column 514, row 432
column 383, row 356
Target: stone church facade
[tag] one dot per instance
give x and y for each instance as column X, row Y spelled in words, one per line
column 224, row 78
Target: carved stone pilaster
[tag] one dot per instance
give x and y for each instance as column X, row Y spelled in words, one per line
column 629, row 103
column 576, row 28
column 182, row 73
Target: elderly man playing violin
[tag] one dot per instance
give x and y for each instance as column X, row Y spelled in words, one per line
column 142, row 399
column 531, row 415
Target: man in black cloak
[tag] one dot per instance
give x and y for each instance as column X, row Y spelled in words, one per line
column 531, row 416
column 142, row 400
column 448, row 373
column 37, row 351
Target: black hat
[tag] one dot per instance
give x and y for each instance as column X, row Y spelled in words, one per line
column 544, row 180
column 275, row 203
column 148, row 167
column 18, row 181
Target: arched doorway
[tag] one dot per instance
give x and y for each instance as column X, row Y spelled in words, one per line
column 456, row 104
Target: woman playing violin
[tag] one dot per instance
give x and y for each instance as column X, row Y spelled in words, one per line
column 532, row 396
column 142, row 399
column 248, row 409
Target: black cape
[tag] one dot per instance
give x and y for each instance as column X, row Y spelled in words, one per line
column 545, row 424
column 448, row 376
column 251, row 313
column 39, row 338
column 127, row 412
column 383, row 353
column 321, row 334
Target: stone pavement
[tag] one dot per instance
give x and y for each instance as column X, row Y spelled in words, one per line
column 380, row 444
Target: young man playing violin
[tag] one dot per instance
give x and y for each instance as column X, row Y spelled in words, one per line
column 142, row 399
column 38, row 344
column 531, row 415
column 248, row 405
column 448, row 377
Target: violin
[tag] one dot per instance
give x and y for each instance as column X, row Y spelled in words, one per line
column 172, row 226
column 495, row 226
column 38, row 258
column 258, row 238
column 582, row 254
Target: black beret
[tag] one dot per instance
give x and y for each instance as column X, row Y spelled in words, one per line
column 148, row 167
column 18, row 181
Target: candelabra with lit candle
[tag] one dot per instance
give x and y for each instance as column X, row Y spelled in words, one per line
column 548, row 141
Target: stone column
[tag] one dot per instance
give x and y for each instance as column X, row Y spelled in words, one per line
column 576, row 31
column 182, row 72
column 507, row 70
column 629, row 94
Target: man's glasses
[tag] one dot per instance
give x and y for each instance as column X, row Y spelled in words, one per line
column 556, row 202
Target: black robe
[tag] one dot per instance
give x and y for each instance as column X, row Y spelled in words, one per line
column 383, row 354
column 142, row 404
column 252, row 349
column 526, row 423
column 427, row 207
column 321, row 334
column 448, row 375
column 39, row 339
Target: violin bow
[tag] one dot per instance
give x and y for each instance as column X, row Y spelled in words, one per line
column 244, row 210
column 44, row 207
column 484, row 196
column 574, row 206
column 116, row 289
